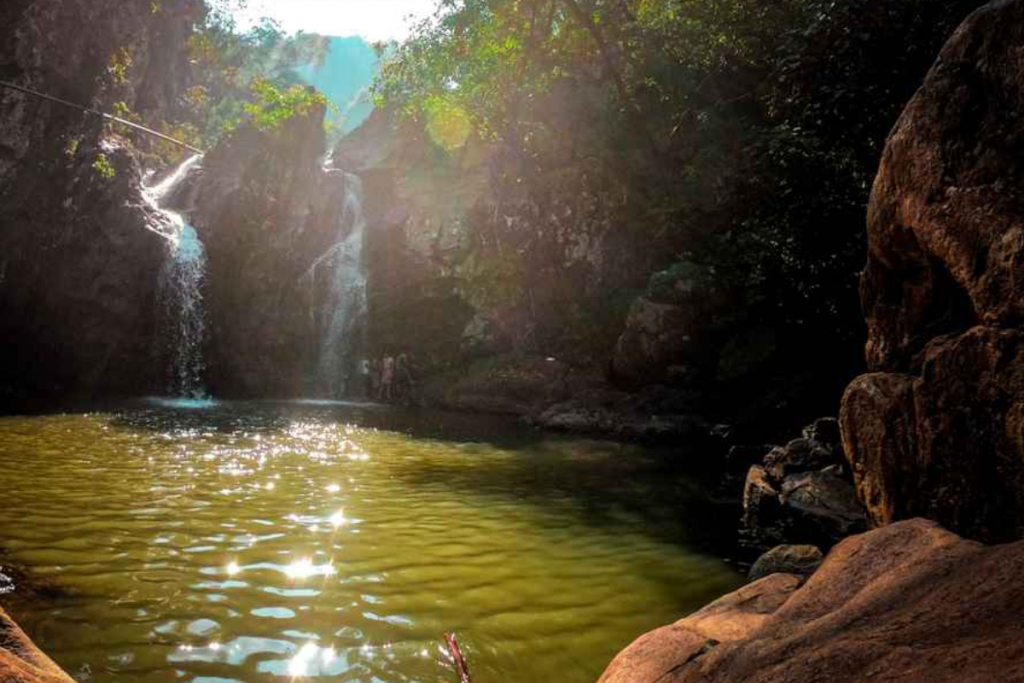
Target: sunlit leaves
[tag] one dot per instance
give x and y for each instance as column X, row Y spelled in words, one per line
column 226, row 63
column 272, row 106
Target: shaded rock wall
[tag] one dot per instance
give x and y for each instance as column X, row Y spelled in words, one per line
column 78, row 269
column 266, row 210
column 467, row 261
column 939, row 429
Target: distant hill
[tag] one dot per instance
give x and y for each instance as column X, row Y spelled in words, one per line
column 345, row 77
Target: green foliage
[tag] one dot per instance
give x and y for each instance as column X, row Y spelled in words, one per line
column 230, row 68
column 120, row 66
column 103, row 167
column 71, row 149
column 743, row 135
column 273, row 106
column 170, row 153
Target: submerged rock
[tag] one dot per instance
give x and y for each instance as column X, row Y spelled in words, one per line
column 910, row 602
column 937, row 430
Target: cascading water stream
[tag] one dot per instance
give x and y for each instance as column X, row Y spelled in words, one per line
column 337, row 280
column 183, row 324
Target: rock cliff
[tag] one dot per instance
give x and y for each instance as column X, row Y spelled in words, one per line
column 467, row 259
column 77, row 274
column 266, row 209
column 510, row 287
column 938, row 429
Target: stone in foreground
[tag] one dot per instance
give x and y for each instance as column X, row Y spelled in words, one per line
column 911, row 602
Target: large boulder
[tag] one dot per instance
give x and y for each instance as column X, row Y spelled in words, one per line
column 669, row 332
column 937, row 430
column 910, row 602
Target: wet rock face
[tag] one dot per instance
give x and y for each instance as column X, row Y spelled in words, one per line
column 77, row 264
column 909, row 602
column 266, row 210
column 937, row 431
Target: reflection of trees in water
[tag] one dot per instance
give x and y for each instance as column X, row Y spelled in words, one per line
column 616, row 486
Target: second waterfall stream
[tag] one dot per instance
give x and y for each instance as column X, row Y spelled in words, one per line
column 182, row 318
column 337, row 281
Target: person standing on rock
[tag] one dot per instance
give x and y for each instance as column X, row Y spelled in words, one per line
column 402, row 378
column 387, row 377
column 366, row 372
column 374, row 379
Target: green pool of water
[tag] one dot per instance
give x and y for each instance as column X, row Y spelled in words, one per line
column 254, row 541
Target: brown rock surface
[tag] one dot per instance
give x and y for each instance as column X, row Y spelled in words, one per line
column 21, row 661
column 801, row 493
column 910, row 602
column 943, row 292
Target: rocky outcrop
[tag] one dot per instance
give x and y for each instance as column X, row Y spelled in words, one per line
column 78, row 268
column 910, row 602
column 936, row 431
column 801, row 493
column 670, row 332
column 21, row 661
column 267, row 210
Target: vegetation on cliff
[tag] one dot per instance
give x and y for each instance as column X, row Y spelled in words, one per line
column 738, row 139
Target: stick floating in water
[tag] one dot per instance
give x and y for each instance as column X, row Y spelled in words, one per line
column 461, row 668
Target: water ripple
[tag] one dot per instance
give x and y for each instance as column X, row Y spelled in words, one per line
column 248, row 541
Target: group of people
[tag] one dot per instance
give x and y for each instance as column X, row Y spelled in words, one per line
column 387, row 378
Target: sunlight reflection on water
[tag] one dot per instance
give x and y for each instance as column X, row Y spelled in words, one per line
column 243, row 542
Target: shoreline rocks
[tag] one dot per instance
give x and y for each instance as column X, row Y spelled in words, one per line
column 909, row 602
column 801, row 493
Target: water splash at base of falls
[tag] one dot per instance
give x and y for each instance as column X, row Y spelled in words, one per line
column 183, row 321
column 337, row 282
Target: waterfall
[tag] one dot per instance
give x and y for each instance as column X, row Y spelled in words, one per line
column 182, row 324
column 337, row 282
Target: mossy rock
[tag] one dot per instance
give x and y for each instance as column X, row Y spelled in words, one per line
column 678, row 283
